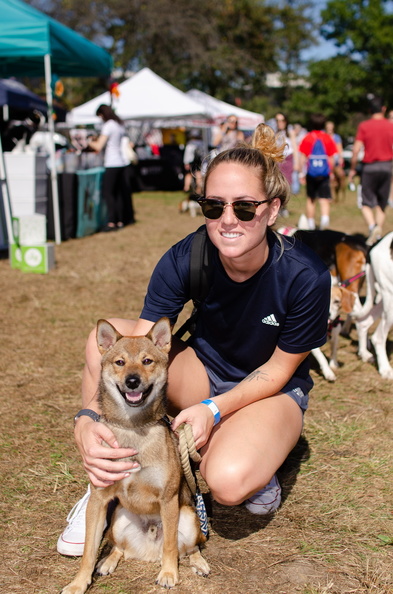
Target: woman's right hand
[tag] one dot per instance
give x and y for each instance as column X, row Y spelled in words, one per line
column 101, row 462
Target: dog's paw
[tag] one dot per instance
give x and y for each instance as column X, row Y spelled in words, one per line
column 386, row 373
column 202, row 569
column 106, row 566
column 329, row 375
column 199, row 565
column 74, row 589
column 367, row 357
column 167, row 579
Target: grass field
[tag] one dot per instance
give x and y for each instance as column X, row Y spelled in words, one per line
column 334, row 531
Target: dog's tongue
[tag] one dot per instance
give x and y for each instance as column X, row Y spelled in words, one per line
column 133, row 396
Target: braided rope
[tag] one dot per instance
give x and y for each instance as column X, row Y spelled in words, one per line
column 187, row 451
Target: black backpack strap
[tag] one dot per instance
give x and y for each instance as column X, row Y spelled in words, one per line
column 200, row 256
column 199, row 266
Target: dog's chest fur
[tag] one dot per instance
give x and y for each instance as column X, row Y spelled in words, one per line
column 159, row 466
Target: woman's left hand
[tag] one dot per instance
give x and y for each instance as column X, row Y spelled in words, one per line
column 201, row 420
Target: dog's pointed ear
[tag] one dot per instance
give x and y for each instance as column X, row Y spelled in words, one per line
column 107, row 336
column 161, row 334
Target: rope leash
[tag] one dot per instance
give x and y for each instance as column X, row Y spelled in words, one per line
column 188, row 450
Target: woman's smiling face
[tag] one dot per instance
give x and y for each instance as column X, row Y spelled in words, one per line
column 244, row 240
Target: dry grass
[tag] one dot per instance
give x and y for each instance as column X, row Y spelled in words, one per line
column 334, row 532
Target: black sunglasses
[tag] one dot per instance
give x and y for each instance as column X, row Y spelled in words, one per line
column 244, row 209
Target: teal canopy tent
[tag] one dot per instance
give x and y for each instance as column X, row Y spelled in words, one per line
column 27, row 35
column 33, row 44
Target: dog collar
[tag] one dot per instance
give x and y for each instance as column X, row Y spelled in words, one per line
column 166, row 420
column 347, row 282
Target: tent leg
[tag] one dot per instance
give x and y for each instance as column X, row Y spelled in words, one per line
column 6, row 197
column 52, row 154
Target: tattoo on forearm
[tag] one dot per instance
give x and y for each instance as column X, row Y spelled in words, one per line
column 258, row 375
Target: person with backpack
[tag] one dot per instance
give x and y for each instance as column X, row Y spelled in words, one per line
column 317, row 150
column 242, row 378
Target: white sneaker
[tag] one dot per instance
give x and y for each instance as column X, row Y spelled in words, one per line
column 266, row 500
column 72, row 541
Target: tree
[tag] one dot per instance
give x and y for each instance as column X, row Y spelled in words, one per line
column 362, row 31
column 338, row 86
column 224, row 48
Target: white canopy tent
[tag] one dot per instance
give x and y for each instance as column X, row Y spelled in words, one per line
column 144, row 96
column 218, row 110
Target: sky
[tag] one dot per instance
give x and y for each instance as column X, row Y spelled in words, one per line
column 324, row 49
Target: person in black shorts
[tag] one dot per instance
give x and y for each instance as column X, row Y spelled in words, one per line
column 375, row 135
column 317, row 185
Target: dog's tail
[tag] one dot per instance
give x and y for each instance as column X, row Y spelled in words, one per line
column 364, row 312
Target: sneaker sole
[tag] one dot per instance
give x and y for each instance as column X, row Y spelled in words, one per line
column 70, row 549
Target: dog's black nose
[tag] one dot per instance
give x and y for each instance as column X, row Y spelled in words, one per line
column 133, row 381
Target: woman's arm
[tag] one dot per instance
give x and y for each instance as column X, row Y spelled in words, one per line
column 99, row 144
column 302, row 167
column 357, row 146
column 267, row 380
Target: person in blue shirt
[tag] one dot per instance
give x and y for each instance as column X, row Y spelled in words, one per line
column 242, row 380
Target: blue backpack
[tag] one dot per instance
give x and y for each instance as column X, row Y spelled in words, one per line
column 318, row 164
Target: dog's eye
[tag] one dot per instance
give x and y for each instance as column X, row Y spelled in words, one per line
column 147, row 362
column 119, row 362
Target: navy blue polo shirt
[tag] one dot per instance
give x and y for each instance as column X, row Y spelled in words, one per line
column 286, row 303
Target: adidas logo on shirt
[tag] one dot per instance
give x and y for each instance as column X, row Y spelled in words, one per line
column 270, row 321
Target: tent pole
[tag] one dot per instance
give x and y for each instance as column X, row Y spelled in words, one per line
column 6, row 197
column 51, row 128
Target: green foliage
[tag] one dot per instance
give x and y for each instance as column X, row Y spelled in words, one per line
column 224, row 48
column 362, row 30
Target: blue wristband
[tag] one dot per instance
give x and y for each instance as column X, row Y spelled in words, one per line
column 214, row 408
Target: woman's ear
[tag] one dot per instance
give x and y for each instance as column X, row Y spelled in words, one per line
column 274, row 209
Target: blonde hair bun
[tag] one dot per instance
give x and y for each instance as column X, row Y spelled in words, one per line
column 265, row 140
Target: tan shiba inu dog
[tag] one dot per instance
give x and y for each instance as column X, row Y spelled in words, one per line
column 155, row 519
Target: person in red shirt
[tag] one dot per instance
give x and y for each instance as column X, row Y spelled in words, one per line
column 318, row 186
column 375, row 135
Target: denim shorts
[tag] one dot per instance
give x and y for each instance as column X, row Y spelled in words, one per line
column 296, row 388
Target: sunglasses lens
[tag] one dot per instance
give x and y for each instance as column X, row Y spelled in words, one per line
column 245, row 211
column 211, row 209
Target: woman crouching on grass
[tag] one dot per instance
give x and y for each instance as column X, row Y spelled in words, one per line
column 242, row 380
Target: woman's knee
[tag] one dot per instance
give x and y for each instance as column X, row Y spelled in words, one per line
column 183, row 365
column 92, row 353
column 232, row 483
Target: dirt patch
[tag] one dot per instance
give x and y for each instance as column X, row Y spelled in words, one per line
column 334, row 530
